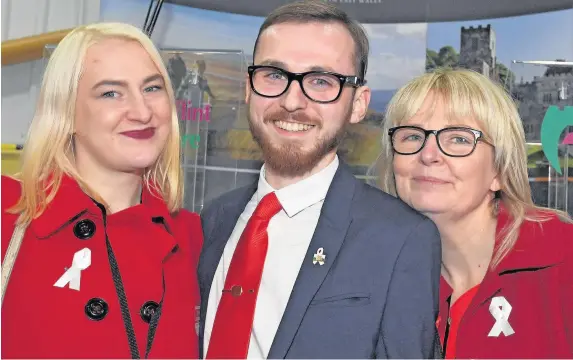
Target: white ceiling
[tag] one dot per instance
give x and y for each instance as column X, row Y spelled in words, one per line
column 398, row 11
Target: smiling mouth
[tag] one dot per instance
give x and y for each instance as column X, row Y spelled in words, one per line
column 140, row 134
column 430, row 180
column 292, row 127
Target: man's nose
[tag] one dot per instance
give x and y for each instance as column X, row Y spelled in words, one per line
column 294, row 98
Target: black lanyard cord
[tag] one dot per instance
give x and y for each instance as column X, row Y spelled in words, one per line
column 125, row 314
column 122, row 302
column 155, row 320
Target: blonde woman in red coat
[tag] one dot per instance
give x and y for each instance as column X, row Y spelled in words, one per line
column 455, row 150
column 107, row 262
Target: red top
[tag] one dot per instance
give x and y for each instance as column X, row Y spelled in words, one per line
column 457, row 311
column 523, row 308
column 40, row 320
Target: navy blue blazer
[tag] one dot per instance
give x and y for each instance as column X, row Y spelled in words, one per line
column 375, row 297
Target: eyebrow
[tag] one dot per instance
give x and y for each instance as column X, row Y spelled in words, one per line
column 276, row 63
column 459, row 125
column 456, row 125
column 110, row 82
column 282, row 65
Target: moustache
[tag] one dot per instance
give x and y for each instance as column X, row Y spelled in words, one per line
column 283, row 115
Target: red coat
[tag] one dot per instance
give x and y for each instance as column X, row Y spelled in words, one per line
column 536, row 279
column 40, row 320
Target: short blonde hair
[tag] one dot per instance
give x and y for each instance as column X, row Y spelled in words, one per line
column 48, row 150
column 470, row 94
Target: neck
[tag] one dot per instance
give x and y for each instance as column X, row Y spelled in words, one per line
column 118, row 190
column 278, row 181
column 467, row 247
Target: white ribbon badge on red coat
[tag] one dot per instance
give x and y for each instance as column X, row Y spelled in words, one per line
column 82, row 260
column 500, row 309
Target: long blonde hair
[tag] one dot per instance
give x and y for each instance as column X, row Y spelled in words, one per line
column 470, row 94
column 48, row 151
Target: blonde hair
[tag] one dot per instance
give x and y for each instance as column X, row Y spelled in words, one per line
column 48, row 151
column 470, row 94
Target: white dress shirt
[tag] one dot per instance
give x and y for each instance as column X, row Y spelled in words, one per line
column 289, row 233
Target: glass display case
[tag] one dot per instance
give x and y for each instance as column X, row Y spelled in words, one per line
column 209, row 89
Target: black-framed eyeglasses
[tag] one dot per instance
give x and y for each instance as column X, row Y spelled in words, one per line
column 319, row 86
column 452, row 141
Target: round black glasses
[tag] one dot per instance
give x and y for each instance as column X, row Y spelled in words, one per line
column 452, row 141
column 319, row 86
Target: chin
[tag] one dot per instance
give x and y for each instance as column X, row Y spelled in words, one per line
column 430, row 207
column 139, row 162
column 426, row 203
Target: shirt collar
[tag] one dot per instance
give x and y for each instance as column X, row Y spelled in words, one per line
column 303, row 194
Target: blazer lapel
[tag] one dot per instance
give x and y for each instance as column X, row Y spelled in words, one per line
column 329, row 234
column 227, row 216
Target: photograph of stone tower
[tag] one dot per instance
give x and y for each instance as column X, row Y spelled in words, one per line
column 477, row 50
column 554, row 87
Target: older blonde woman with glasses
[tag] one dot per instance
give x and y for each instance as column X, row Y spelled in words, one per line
column 454, row 149
column 100, row 257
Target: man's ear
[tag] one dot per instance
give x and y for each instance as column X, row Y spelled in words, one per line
column 360, row 104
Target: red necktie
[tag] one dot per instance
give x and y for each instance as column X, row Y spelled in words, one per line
column 234, row 319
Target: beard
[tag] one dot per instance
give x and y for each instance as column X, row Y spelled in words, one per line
column 288, row 158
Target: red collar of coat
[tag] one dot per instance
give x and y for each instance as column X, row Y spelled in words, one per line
column 70, row 202
column 531, row 250
column 534, row 248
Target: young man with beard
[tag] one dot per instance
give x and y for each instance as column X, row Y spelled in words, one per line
column 310, row 262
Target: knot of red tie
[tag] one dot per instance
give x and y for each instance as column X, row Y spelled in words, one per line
column 268, row 207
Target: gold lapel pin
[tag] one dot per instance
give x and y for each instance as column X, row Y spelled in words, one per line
column 319, row 257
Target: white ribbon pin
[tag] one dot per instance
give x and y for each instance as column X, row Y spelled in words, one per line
column 500, row 309
column 82, row 260
column 319, row 257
